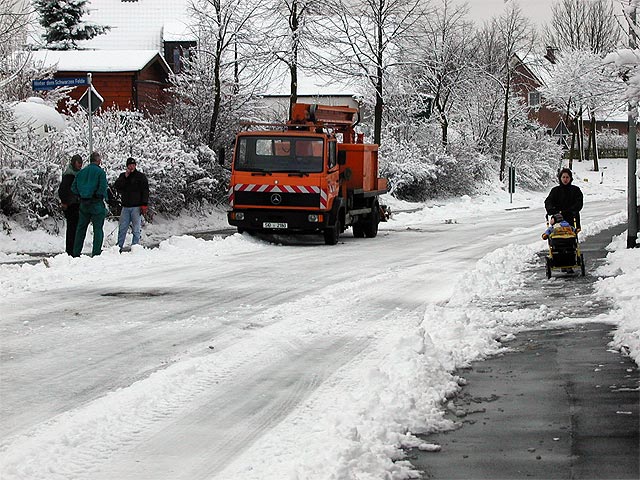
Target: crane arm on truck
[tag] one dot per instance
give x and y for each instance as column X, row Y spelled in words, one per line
column 341, row 118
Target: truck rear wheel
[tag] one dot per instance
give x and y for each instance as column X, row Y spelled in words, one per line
column 358, row 230
column 371, row 225
column 331, row 234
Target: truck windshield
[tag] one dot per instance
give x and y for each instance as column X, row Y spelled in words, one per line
column 279, row 154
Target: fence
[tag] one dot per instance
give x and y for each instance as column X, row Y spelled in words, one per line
column 603, row 153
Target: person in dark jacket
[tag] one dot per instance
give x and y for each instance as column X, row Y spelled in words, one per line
column 133, row 187
column 565, row 198
column 91, row 186
column 69, row 201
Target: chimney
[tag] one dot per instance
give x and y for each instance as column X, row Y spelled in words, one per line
column 551, row 54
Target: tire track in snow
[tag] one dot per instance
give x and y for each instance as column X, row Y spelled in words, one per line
column 76, row 443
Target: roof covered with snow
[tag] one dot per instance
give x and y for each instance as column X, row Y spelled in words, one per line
column 97, row 60
column 137, row 24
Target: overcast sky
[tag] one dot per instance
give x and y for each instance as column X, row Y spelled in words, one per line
column 538, row 11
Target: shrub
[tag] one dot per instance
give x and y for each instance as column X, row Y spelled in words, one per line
column 180, row 176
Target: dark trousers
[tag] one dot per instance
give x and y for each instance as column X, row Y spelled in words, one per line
column 72, row 213
column 94, row 212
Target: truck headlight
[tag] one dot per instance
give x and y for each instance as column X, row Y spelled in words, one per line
column 313, row 218
column 239, row 216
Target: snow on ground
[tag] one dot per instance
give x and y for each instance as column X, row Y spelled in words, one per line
column 621, row 277
column 355, row 422
column 608, row 183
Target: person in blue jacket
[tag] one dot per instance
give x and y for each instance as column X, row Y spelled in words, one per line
column 91, row 186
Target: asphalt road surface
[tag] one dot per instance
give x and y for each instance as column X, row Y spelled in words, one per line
column 560, row 404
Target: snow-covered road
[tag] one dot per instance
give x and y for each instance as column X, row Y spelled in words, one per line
column 228, row 358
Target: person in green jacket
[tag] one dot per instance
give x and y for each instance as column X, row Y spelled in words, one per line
column 91, row 186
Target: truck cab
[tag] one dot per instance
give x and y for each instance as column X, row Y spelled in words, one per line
column 303, row 179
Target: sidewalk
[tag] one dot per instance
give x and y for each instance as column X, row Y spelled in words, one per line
column 559, row 405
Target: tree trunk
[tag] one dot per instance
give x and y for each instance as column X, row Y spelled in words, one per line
column 217, row 100
column 573, row 142
column 587, row 150
column 580, row 136
column 377, row 123
column 378, row 110
column 293, row 96
column 505, row 128
column 236, row 69
column 293, row 66
column 445, row 131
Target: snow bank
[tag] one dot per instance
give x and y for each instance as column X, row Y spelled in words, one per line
column 622, row 277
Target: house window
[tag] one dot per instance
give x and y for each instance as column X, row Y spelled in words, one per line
column 534, row 99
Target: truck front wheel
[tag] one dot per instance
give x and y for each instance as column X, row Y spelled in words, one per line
column 331, row 234
column 371, row 225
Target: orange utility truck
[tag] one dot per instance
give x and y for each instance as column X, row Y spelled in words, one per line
column 311, row 175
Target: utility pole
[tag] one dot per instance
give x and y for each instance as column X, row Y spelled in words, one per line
column 632, row 161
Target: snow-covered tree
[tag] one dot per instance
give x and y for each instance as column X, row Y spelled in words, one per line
column 627, row 60
column 181, row 176
column 443, row 56
column 581, row 83
column 64, row 25
column 584, row 25
column 14, row 19
column 362, row 38
column 506, row 38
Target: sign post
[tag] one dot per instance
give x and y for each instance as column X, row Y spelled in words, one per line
column 90, row 113
column 512, row 181
column 632, row 160
column 90, row 101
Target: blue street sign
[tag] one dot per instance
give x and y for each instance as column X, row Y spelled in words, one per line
column 51, row 83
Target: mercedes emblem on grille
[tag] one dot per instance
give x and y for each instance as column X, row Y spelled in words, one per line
column 276, row 199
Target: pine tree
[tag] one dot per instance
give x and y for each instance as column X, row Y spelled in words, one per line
column 62, row 20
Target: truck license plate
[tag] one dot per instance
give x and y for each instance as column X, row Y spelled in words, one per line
column 274, row 225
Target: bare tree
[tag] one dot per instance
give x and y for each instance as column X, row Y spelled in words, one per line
column 443, row 57
column 223, row 31
column 583, row 25
column 286, row 36
column 362, row 38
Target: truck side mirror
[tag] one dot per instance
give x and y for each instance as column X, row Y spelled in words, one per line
column 342, row 158
column 221, row 152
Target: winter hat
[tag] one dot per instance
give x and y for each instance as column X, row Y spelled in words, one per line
column 557, row 218
column 567, row 171
column 131, row 161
